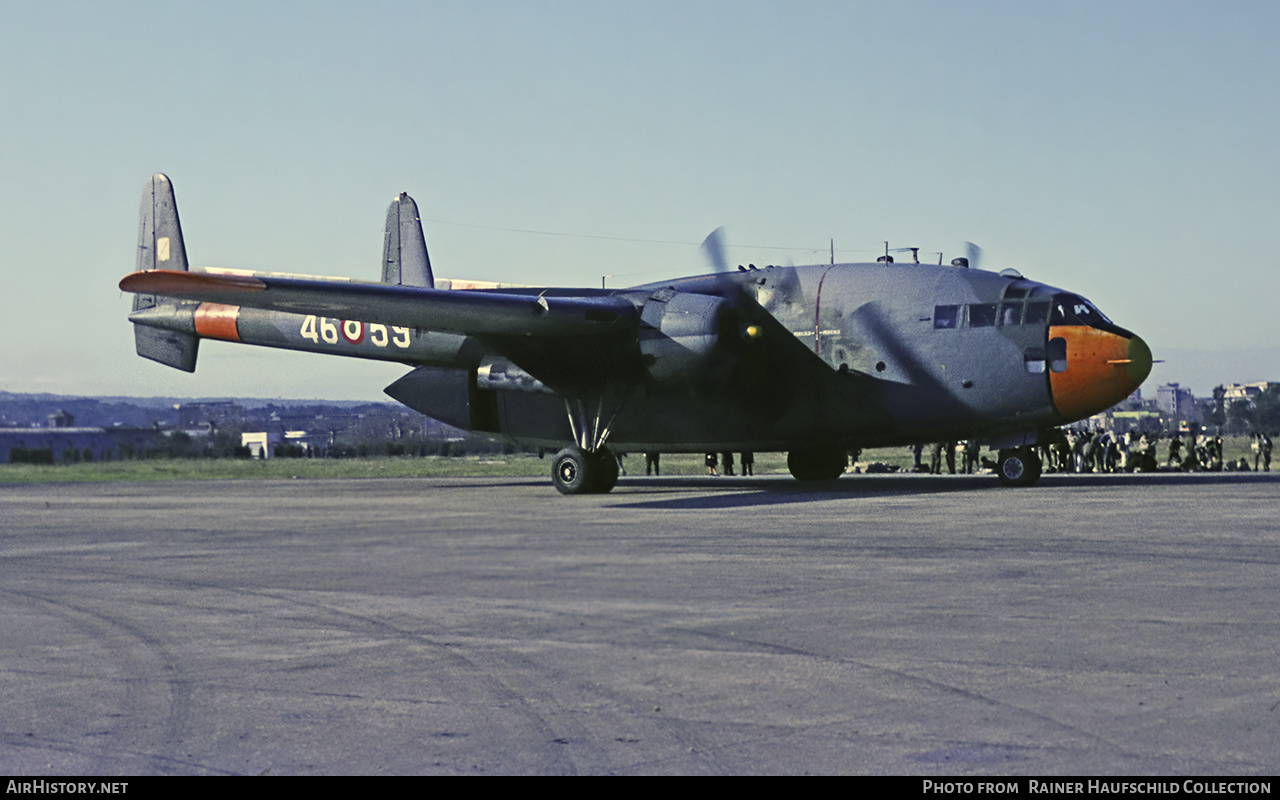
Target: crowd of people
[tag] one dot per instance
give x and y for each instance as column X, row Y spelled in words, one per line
column 1099, row 450
column 1063, row 450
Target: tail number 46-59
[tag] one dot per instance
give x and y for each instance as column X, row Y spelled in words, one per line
column 331, row 331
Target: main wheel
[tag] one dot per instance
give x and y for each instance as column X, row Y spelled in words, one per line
column 606, row 470
column 575, row 471
column 816, row 463
column 1019, row 467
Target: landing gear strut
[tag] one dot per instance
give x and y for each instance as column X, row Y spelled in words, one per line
column 587, row 467
column 1018, row 467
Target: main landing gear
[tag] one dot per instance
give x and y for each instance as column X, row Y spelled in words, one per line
column 1018, row 467
column 817, row 463
column 575, row 471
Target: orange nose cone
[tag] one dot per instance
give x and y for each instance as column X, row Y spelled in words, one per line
column 1103, row 368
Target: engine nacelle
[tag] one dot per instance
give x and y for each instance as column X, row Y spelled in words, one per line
column 680, row 332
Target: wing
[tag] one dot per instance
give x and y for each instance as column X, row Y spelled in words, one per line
column 474, row 313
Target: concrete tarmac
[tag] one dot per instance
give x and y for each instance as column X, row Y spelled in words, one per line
column 877, row 624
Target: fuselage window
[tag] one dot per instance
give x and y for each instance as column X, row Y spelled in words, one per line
column 982, row 315
column 945, row 316
column 1033, row 360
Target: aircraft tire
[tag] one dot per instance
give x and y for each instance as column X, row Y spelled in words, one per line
column 606, row 475
column 816, row 463
column 570, row 470
column 575, row 471
column 1019, row 467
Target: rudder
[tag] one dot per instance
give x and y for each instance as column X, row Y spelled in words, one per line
column 404, row 253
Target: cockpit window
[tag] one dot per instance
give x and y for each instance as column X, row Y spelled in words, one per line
column 1010, row 313
column 1069, row 309
column 946, row 316
column 1036, row 313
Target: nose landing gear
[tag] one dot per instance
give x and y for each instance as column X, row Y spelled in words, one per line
column 1019, row 466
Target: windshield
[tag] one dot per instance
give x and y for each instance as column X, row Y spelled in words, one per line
column 1072, row 309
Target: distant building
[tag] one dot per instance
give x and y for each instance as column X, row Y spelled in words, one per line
column 63, row 444
column 263, row 444
column 1175, row 401
column 209, row 413
column 1244, row 391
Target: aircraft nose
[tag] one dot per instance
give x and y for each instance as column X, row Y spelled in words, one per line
column 1102, row 368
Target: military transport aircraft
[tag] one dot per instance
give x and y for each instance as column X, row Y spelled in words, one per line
column 810, row 360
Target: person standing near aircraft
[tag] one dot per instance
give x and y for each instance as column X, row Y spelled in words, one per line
column 651, row 463
column 711, row 462
column 935, row 458
column 1175, row 452
column 748, row 463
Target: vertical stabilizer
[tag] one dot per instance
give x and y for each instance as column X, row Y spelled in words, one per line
column 160, row 246
column 160, row 243
column 404, row 254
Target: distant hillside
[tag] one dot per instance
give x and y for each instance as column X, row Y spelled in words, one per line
column 18, row 409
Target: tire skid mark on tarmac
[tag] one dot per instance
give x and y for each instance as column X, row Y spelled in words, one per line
column 364, row 625
column 153, row 665
column 681, row 731
column 944, row 688
column 505, row 696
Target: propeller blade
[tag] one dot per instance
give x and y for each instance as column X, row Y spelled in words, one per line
column 713, row 246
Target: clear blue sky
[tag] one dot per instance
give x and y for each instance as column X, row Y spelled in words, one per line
column 1125, row 150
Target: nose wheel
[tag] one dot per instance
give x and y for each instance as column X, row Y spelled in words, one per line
column 1018, row 467
column 575, row 471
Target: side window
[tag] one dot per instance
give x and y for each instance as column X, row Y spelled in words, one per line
column 1033, row 360
column 1057, row 354
column 945, row 316
column 982, row 315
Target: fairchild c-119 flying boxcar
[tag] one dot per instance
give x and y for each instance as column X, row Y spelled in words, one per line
column 810, row 360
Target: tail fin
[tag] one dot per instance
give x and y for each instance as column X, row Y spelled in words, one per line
column 160, row 246
column 404, row 254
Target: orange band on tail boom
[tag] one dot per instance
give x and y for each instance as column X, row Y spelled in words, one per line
column 217, row 321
